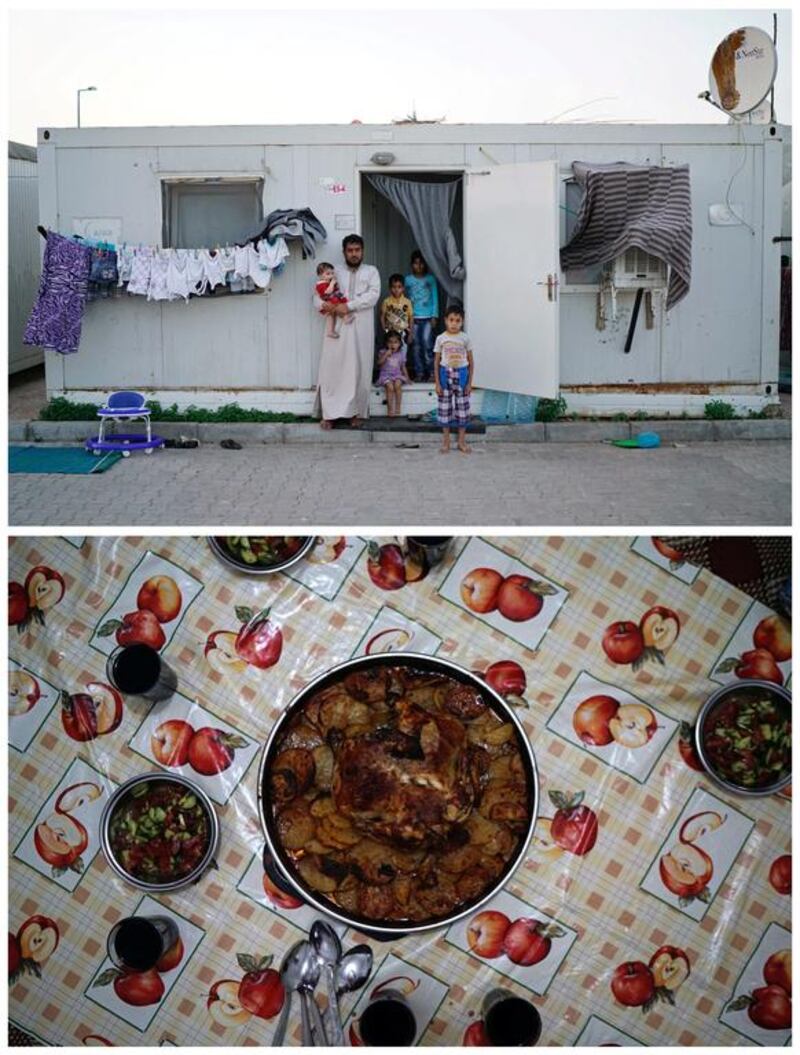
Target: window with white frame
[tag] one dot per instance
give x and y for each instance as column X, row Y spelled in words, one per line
column 203, row 213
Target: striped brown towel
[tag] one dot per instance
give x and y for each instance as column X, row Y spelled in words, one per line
column 628, row 205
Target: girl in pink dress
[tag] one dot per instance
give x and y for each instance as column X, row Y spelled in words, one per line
column 393, row 373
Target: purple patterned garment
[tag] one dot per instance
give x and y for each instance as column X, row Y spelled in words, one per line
column 55, row 321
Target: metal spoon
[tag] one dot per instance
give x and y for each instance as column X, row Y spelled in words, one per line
column 352, row 971
column 310, row 971
column 329, row 950
column 300, row 973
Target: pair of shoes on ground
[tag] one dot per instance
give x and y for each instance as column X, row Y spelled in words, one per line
column 184, row 443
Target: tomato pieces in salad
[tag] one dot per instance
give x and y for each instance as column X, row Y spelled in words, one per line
column 747, row 738
column 159, row 832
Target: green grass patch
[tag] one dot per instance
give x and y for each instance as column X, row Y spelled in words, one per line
column 60, row 409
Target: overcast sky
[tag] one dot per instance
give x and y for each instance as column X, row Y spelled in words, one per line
column 206, row 67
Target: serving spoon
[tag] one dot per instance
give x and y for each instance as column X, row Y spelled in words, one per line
column 329, row 950
column 351, row 973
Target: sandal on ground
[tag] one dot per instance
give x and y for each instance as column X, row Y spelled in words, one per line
column 230, row 445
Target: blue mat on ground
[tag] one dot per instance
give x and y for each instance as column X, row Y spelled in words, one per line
column 72, row 460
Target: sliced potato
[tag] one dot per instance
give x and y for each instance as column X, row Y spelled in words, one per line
column 309, row 869
column 323, row 762
column 322, row 806
column 295, row 825
column 301, row 734
column 339, row 711
column 496, row 737
column 402, row 888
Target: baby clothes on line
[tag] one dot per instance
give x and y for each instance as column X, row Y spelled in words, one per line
column 124, row 264
column 139, row 281
column 259, row 272
column 102, row 274
column 241, row 256
column 196, row 272
column 178, row 274
column 272, row 254
column 228, row 258
column 214, row 268
column 157, row 290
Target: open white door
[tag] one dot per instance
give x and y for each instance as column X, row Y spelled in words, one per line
column 511, row 233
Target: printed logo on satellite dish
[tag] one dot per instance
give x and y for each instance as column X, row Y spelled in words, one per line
column 753, row 53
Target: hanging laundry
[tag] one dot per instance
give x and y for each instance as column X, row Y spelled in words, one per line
column 157, row 290
column 198, row 283
column 57, row 316
column 178, row 275
column 124, row 264
column 140, row 271
column 299, row 224
column 102, row 274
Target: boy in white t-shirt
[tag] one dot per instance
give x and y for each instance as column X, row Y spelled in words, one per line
column 452, row 369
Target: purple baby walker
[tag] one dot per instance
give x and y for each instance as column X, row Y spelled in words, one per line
column 124, row 407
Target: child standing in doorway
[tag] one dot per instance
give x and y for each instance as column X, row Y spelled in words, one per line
column 453, row 365
column 421, row 288
column 393, row 375
column 397, row 313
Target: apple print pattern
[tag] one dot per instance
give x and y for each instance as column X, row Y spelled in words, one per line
column 761, row 648
column 259, row 992
column 31, row 947
column 615, row 925
column 643, row 984
column 647, row 640
column 760, row 1006
column 257, row 643
column 29, row 602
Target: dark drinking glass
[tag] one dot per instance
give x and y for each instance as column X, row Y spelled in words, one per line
column 388, row 1021
column 138, row 942
column 510, row 1021
column 428, row 548
column 138, row 670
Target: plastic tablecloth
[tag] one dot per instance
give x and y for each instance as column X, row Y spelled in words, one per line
column 588, row 927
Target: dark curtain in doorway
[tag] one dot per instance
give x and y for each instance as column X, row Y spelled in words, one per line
column 427, row 209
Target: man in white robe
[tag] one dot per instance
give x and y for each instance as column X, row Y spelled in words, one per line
column 346, row 362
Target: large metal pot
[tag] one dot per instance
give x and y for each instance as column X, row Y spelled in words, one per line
column 228, row 558
column 390, row 659
column 213, row 822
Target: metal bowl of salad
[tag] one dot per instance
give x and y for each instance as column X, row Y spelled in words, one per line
column 743, row 737
column 159, row 832
column 260, row 554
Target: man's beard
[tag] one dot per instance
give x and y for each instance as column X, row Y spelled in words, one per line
column 351, row 265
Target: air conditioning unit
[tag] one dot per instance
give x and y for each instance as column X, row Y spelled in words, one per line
column 636, row 269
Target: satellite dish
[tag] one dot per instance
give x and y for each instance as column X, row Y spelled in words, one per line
column 742, row 71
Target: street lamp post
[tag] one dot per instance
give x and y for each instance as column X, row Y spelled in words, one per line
column 92, row 89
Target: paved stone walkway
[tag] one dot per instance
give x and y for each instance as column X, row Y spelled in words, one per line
column 564, row 484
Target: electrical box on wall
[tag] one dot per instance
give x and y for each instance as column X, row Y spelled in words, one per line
column 722, row 215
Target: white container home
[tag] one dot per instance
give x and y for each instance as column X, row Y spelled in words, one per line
column 535, row 329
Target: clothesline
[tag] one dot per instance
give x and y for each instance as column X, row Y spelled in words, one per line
column 76, row 270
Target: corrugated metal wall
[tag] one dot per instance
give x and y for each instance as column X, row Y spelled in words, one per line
column 24, row 259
